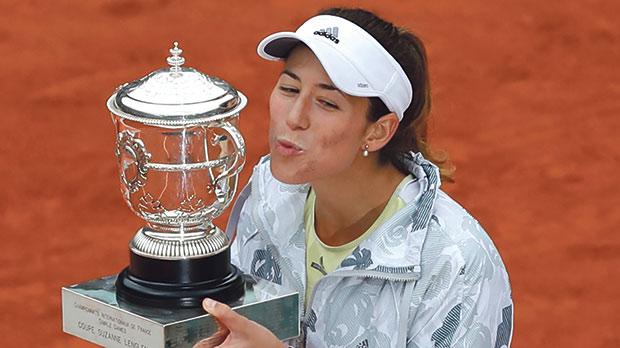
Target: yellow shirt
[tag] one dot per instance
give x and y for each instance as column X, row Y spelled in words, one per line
column 321, row 258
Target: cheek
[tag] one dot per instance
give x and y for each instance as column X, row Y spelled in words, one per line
column 274, row 107
column 333, row 152
column 278, row 110
column 340, row 139
column 335, row 140
column 276, row 104
column 275, row 110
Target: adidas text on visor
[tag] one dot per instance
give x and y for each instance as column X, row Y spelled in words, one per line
column 356, row 63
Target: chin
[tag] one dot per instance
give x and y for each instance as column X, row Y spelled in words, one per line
column 286, row 173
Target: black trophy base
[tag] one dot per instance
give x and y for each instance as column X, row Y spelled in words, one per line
column 179, row 283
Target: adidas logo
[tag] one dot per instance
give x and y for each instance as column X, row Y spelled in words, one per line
column 330, row 33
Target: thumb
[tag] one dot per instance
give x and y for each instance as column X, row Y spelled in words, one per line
column 224, row 314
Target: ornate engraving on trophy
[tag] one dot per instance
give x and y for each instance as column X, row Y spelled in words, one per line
column 192, row 203
column 133, row 158
column 187, row 176
column 148, row 204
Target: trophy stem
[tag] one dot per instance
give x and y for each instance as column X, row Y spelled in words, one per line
column 178, row 245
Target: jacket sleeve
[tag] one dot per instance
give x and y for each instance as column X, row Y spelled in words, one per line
column 466, row 303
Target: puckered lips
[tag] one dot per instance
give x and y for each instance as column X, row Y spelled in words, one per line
column 287, row 148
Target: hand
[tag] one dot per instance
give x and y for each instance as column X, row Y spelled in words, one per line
column 235, row 330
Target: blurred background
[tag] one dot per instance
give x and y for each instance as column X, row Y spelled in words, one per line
column 526, row 102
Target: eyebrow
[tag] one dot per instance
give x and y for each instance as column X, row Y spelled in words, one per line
column 291, row 74
column 326, row 86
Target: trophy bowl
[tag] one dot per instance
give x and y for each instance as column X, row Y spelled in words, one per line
column 179, row 155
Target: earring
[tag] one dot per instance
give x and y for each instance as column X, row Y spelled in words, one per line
column 365, row 152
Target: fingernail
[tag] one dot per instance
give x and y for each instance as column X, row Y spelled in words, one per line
column 208, row 303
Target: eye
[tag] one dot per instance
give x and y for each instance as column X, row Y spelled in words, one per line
column 288, row 89
column 328, row 104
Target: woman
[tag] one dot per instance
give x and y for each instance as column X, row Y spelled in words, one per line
column 347, row 210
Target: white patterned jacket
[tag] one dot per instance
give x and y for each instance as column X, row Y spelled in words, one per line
column 428, row 277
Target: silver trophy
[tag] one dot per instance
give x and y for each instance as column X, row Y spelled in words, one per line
column 179, row 155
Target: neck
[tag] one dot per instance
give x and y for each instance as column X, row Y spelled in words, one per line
column 349, row 203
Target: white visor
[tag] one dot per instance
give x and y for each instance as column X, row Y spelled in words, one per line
column 356, row 63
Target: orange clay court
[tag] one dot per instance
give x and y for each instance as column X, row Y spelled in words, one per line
column 526, row 102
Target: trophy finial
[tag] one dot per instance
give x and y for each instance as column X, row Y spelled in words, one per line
column 175, row 60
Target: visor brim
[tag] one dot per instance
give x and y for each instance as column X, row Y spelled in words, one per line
column 342, row 73
column 278, row 46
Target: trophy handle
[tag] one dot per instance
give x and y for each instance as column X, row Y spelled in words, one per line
column 239, row 159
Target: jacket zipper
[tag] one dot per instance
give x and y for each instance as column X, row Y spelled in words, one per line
column 359, row 274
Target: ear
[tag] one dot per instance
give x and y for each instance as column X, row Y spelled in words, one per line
column 379, row 133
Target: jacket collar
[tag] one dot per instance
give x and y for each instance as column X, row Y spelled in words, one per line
column 394, row 249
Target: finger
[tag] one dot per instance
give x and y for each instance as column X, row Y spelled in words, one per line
column 224, row 314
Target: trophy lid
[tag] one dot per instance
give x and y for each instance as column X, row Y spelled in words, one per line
column 176, row 96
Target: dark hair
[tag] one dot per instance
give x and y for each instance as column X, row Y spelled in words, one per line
column 409, row 52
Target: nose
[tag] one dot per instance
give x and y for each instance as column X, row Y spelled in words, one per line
column 297, row 118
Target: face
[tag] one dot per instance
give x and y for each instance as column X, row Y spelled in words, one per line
column 316, row 131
